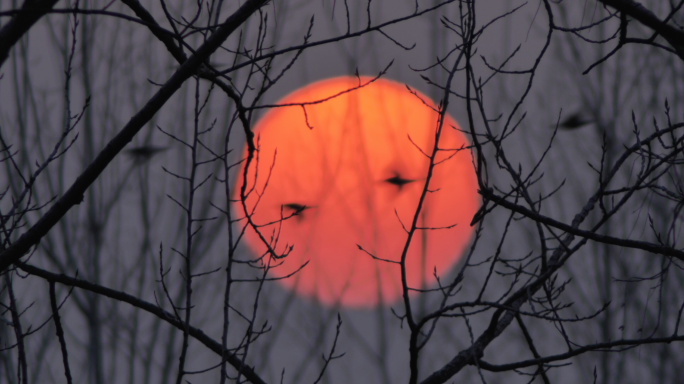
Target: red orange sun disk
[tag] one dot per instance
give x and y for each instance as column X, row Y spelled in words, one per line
column 354, row 179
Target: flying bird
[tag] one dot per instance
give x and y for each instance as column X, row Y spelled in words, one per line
column 574, row 121
column 296, row 209
column 144, row 153
column 398, row 181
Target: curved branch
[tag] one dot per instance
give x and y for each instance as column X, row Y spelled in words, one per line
column 21, row 23
column 640, row 13
column 196, row 333
column 74, row 195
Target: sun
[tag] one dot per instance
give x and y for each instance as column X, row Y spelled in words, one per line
column 348, row 174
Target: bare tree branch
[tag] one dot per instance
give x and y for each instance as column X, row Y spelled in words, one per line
column 75, row 194
column 637, row 11
column 200, row 336
column 21, row 23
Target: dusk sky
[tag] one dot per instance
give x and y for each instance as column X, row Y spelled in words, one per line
column 537, row 240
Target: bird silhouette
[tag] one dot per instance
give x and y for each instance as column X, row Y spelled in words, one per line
column 144, row 153
column 398, row 181
column 297, row 209
column 574, row 121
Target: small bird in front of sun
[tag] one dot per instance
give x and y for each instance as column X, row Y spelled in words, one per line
column 398, row 181
column 574, row 121
column 144, row 153
column 295, row 209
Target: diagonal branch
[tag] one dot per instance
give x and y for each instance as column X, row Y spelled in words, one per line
column 156, row 29
column 640, row 13
column 21, row 23
column 591, row 235
column 75, row 193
